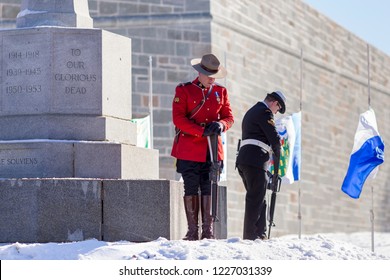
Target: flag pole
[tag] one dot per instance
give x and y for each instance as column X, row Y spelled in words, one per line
column 299, row 181
column 151, row 101
column 372, row 219
column 372, row 187
column 301, row 82
column 369, row 76
column 224, row 62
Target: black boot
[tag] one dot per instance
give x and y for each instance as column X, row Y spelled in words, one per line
column 191, row 205
column 207, row 220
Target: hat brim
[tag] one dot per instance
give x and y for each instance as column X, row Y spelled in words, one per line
column 220, row 74
column 281, row 102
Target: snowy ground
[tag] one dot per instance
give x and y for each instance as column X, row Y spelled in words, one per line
column 337, row 246
column 335, row 256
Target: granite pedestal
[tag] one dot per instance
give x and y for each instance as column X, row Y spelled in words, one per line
column 63, row 210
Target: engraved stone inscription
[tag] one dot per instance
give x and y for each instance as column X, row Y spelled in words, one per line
column 78, row 77
column 76, row 72
column 18, row 70
column 18, row 161
column 23, row 68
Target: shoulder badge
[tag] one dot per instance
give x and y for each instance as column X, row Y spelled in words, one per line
column 176, row 100
column 271, row 122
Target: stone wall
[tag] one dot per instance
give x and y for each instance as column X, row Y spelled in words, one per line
column 261, row 44
column 9, row 9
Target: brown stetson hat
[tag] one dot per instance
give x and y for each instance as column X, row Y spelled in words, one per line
column 209, row 65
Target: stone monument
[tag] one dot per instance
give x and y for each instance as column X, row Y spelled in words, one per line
column 69, row 166
column 65, row 98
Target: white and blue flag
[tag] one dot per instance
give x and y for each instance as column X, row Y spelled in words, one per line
column 367, row 154
column 289, row 129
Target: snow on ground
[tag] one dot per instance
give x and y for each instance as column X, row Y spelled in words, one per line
column 330, row 246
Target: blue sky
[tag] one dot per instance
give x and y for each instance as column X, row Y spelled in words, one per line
column 368, row 19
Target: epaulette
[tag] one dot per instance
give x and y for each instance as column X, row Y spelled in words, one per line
column 184, row 84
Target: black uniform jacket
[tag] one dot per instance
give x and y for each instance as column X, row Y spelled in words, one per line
column 258, row 123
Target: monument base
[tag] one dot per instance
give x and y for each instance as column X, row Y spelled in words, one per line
column 64, row 210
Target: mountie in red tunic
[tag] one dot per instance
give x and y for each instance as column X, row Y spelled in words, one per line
column 189, row 144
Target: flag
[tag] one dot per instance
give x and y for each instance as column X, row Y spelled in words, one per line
column 296, row 156
column 367, row 154
column 143, row 131
column 289, row 129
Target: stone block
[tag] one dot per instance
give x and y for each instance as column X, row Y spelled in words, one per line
column 9, row 11
column 54, row 13
column 76, row 159
column 49, row 210
column 68, row 127
column 145, row 210
column 63, row 210
column 36, row 159
column 112, row 160
column 62, row 72
column 220, row 226
column 141, row 210
column 139, row 163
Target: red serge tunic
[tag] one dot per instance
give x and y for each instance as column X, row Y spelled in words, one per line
column 189, row 143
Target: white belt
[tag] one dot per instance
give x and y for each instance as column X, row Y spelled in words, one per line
column 256, row 143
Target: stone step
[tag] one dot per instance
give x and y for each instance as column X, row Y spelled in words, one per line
column 68, row 127
column 43, row 158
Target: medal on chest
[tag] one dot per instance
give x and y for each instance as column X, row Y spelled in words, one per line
column 217, row 97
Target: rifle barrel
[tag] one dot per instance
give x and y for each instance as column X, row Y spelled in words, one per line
column 214, row 174
column 271, row 213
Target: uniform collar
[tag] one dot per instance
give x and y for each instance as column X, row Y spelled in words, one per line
column 265, row 104
column 198, row 83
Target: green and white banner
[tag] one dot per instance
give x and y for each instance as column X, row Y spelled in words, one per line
column 143, row 131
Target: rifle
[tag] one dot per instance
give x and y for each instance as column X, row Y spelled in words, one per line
column 214, row 174
column 273, row 200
